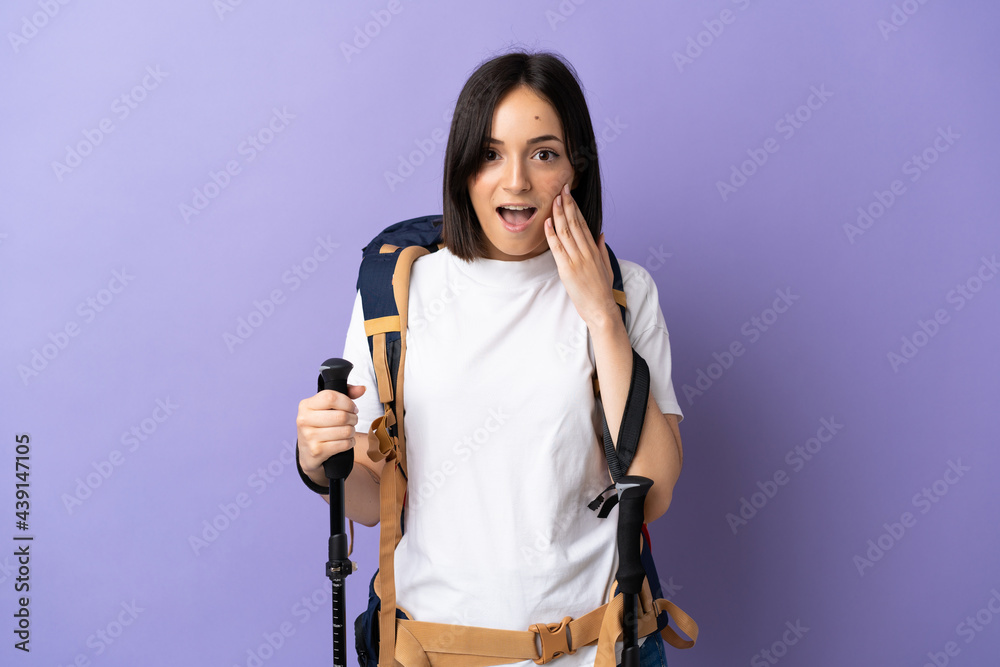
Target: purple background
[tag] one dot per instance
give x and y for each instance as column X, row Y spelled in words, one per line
column 672, row 132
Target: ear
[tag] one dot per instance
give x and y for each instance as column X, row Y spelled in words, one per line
column 576, row 180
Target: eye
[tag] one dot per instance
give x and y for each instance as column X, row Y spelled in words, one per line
column 552, row 155
column 489, row 155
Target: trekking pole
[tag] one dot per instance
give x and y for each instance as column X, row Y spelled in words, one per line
column 333, row 375
column 632, row 492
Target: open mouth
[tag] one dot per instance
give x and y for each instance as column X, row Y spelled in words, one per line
column 516, row 218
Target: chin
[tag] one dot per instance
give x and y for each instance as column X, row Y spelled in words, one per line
column 525, row 250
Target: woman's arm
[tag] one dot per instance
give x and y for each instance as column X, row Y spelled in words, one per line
column 361, row 490
column 585, row 269
column 659, row 454
column 326, row 426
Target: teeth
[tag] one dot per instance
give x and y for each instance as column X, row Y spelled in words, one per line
column 517, row 208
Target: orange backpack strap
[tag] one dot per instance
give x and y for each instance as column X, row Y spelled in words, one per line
column 422, row 644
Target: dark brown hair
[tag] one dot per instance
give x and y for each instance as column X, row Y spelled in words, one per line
column 552, row 78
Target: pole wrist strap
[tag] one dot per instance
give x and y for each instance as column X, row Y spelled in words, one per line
column 313, row 486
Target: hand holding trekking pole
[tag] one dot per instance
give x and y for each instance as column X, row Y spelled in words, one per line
column 333, row 375
column 632, row 492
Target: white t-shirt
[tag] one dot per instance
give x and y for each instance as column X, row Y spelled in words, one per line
column 504, row 441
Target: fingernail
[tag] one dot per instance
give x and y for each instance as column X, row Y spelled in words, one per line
column 355, row 409
column 566, row 188
column 558, row 200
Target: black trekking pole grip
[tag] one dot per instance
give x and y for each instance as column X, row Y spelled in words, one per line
column 632, row 491
column 333, row 375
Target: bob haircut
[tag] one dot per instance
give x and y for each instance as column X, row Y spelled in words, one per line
column 553, row 79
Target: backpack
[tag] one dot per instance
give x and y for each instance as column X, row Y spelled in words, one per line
column 386, row 630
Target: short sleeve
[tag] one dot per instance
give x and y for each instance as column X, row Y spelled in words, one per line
column 363, row 373
column 647, row 331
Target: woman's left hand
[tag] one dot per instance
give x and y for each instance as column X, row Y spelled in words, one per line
column 584, row 266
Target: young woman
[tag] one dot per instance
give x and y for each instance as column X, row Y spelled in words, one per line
column 507, row 325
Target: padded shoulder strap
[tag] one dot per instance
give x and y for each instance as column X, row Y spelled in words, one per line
column 379, row 263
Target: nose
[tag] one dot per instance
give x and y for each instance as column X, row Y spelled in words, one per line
column 515, row 176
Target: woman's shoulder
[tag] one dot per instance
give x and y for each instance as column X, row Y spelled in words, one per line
column 432, row 261
column 637, row 280
column 642, row 297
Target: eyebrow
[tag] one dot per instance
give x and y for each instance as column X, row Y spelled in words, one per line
column 535, row 140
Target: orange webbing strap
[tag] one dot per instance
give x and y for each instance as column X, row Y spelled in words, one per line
column 401, row 291
column 619, row 297
column 379, row 325
column 392, row 490
column 381, row 365
column 649, row 609
column 380, row 443
column 421, row 644
column 681, row 620
column 393, row 485
column 443, row 645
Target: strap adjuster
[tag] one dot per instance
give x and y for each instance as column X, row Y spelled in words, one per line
column 555, row 640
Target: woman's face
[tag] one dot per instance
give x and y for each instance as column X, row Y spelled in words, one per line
column 524, row 165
